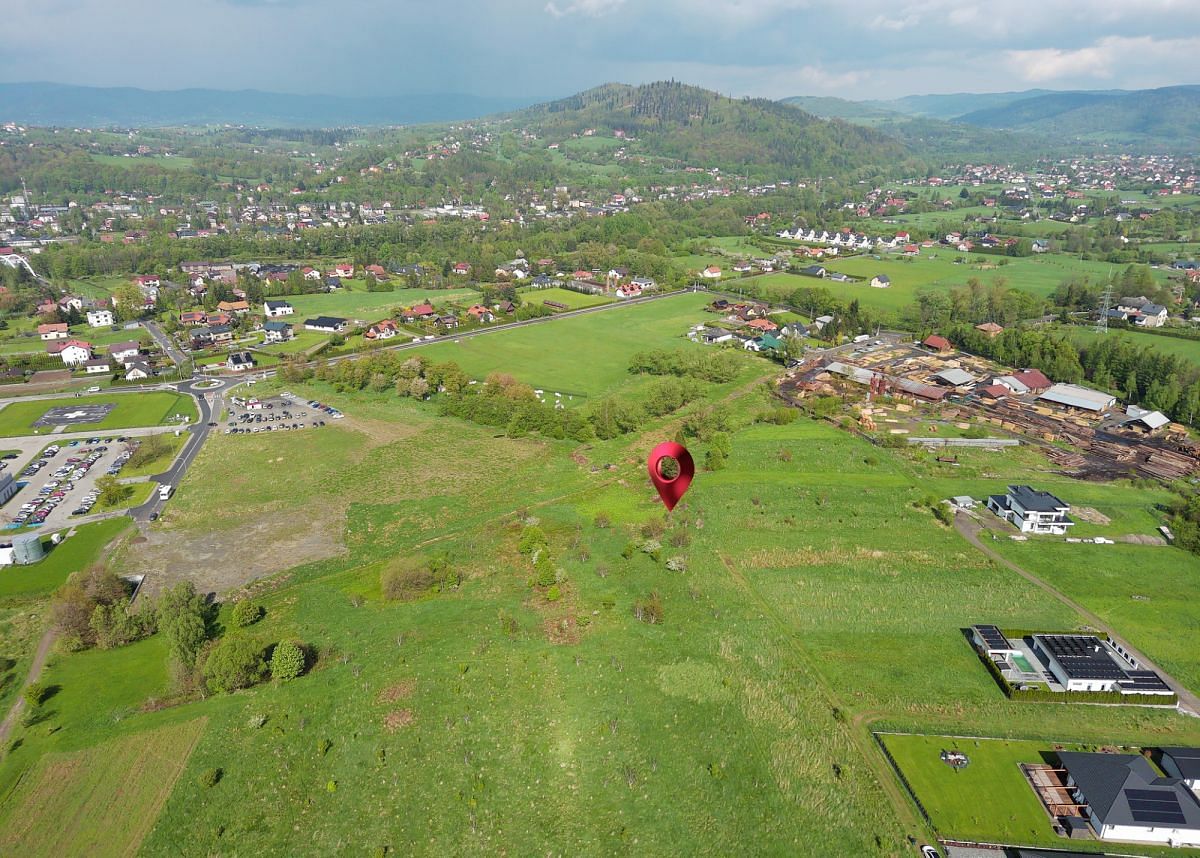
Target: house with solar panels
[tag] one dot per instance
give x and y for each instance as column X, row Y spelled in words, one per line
column 1032, row 511
column 1086, row 663
column 1123, row 797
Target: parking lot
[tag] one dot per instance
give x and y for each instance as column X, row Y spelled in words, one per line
column 61, row 481
column 280, row 413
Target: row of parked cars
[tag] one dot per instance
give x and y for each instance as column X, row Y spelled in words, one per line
column 328, row 409
column 63, row 479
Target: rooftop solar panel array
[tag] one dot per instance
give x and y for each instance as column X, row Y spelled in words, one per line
column 1082, row 656
column 1155, row 807
column 992, row 637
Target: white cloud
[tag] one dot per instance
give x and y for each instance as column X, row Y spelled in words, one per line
column 591, row 8
column 1103, row 59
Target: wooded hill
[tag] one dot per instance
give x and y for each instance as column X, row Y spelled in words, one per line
column 695, row 126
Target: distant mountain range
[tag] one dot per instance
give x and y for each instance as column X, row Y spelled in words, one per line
column 1167, row 117
column 67, row 105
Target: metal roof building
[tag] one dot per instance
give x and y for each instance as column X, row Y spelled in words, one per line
column 1074, row 396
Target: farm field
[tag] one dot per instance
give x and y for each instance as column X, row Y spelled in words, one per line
column 302, row 341
column 147, row 408
column 1186, row 349
column 103, row 800
column 371, row 306
column 573, row 300
column 586, row 355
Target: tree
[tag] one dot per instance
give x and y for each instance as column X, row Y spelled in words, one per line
column 182, row 617
column 287, row 661
column 112, row 491
column 235, row 662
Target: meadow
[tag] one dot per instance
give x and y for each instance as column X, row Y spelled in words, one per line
column 935, row 269
column 146, row 408
column 1186, row 349
column 371, row 306
column 810, row 597
column 573, row 300
column 584, row 355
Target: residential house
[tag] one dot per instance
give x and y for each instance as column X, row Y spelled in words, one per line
column 54, row 331
column 275, row 309
column 1123, row 798
column 137, row 371
column 148, row 281
column 124, row 352
column 193, row 318
column 762, row 325
column 277, row 332
column 991, row 329
column 462, row 268
column 235, row 307
column 326, row 324
column 420, row 313
column 1183, row 763
column 449, row 322
column 72, row 352
column 384, row 330
column 481, row 314
column 310, row 273
column 378, row 272
column 712, row 336
column 643, row 283
column 96, row 366
column 344, row 270
column 219, row 318
column 629, row 290
column 814, row 271
column 1032, row 511
column 239, row 362
column 712, row 272
column 100, row 318
column 881, row 281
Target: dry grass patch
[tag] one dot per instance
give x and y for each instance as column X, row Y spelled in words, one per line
column 398, row 719
column 399, row 691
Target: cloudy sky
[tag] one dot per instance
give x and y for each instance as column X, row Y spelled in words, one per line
column 543, row 48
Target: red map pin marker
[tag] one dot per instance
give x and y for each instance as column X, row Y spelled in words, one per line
column 671, row 490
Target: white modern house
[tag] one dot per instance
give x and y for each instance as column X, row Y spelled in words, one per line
column 100, row 318
column 1031, row 511
column 275, row 309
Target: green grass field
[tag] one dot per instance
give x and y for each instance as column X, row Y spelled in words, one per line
column 935, row 269
column 73, row 554
column 1187, row 349
column 814, row 598
column 148, row 408
column 573, row 300
column 989, row 801
column 103, row 800
column 586, row 355
column 371, row 306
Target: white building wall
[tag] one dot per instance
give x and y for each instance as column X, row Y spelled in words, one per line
column 1138, row 834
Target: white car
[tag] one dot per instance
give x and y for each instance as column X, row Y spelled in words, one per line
column 94, row 389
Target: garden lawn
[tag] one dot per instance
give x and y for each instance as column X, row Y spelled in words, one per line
column 147, row 408
column 989, row 801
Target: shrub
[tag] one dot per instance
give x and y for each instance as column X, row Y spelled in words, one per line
column 601, row 521
column 553, row 594
column 405, row 581
column 287, row 661
column 246, row 613
column 235, row 662
column 532, row 538
column 677, row 564
column 544, row 570
column 36, row 693
column 629, row 550
column 211, row 778
column 714, row 460
column 649, row 610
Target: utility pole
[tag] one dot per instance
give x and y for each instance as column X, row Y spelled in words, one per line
column 1105, row 303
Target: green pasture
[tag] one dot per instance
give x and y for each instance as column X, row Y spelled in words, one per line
column 573, row 300
column 1184, row 348
column 371, row 306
